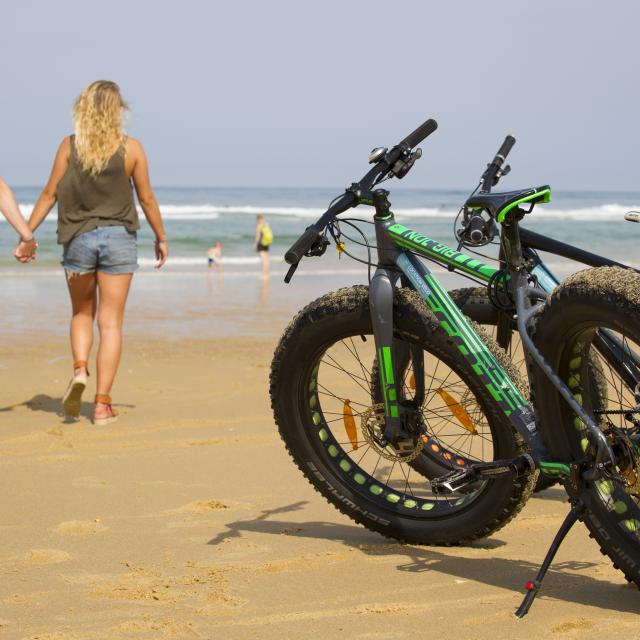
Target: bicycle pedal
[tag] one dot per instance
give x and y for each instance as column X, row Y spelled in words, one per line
column 454, row 480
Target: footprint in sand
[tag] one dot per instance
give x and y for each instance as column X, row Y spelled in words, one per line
column 38, row 557
column 204, row 443
column 57, row 635
column 80, row 528
column 570, row 626
column 89, row 481
column 197, row 507
column 166, row 627
column 205, row 505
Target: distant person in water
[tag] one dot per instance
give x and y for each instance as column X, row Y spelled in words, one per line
column 26, row 249
column 214, row 255
column 263, row 240
column 97, row 223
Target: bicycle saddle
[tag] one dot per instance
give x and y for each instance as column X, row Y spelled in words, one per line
column 499, row 204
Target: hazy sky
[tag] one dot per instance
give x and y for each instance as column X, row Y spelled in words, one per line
column 294, row 93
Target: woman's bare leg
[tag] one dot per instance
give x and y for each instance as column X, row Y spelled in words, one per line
column 82, row 289
column 113, row 291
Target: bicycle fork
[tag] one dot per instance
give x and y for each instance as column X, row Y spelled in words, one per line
column 394, row 359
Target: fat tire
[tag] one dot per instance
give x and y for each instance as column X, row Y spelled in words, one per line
column 608, row 297
column 346, row 312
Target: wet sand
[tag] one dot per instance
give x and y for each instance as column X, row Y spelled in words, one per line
column 187, row 519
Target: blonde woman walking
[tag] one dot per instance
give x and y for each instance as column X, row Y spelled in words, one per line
column 97, row 222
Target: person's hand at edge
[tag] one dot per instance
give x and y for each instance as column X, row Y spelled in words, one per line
column 162, row 252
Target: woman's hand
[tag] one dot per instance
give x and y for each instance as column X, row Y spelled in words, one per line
column 25, row 251
column 162, row 252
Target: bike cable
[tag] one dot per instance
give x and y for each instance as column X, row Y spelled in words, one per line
column 370, row 247
column 340, row 246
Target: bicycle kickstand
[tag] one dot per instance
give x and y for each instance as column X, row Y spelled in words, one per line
column 533, row 586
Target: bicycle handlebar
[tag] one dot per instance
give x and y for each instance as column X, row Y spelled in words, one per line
column 494, row 166
column 312, row 233
column 503, row 151
column 417, row 136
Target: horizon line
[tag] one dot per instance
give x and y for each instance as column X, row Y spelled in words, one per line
column 298, row 188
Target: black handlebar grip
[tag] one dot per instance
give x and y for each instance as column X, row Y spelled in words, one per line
column 417, row 136
column 301, row 245
column 508, row 143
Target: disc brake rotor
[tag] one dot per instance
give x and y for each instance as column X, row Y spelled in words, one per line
column 373, row 424
column 631, row 473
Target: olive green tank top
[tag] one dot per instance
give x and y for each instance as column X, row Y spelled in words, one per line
column 86, row 202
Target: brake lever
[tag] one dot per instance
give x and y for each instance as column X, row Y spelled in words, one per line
column 404, row 164
column 318, row 248
column 292, row 270
column 500, row 173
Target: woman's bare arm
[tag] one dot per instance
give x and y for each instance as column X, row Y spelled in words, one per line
column 49, row 194
column 9, row 208
column 25, row 251
column 147, row 199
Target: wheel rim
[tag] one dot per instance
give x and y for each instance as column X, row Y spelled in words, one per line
column 343, row 372
column 603, row 393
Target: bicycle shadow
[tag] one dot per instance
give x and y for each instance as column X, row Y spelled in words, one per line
column 48, row 404
column 503, row 573
column 553, row 493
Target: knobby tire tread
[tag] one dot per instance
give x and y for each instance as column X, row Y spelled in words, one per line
column 619, row 290
column 350, row 299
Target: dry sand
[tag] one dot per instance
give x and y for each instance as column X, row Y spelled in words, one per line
column 186, row 519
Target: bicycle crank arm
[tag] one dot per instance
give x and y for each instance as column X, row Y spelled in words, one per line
column 458, row 479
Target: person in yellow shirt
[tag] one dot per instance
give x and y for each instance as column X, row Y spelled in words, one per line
column 263, row 240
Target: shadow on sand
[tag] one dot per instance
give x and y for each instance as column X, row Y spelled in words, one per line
column 561, row 583
column 47, row 404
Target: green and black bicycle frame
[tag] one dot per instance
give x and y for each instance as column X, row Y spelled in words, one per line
column 398, row 248
column 611, row 348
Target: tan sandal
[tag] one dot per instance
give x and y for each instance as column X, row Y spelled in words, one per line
column 112, row 416
column 72, row 399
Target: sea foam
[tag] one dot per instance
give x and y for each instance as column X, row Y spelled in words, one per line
column 212, row 212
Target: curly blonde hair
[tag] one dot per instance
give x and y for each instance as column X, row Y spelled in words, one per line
column 98, row 122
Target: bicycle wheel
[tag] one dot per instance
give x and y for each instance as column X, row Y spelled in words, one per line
column 567, row 334
column 323, row 401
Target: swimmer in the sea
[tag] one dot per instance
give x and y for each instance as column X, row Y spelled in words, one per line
column 214, row 255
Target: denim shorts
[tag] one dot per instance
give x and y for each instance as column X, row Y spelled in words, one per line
column 108, row 249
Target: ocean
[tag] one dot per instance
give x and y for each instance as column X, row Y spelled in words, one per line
column 196, row 218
